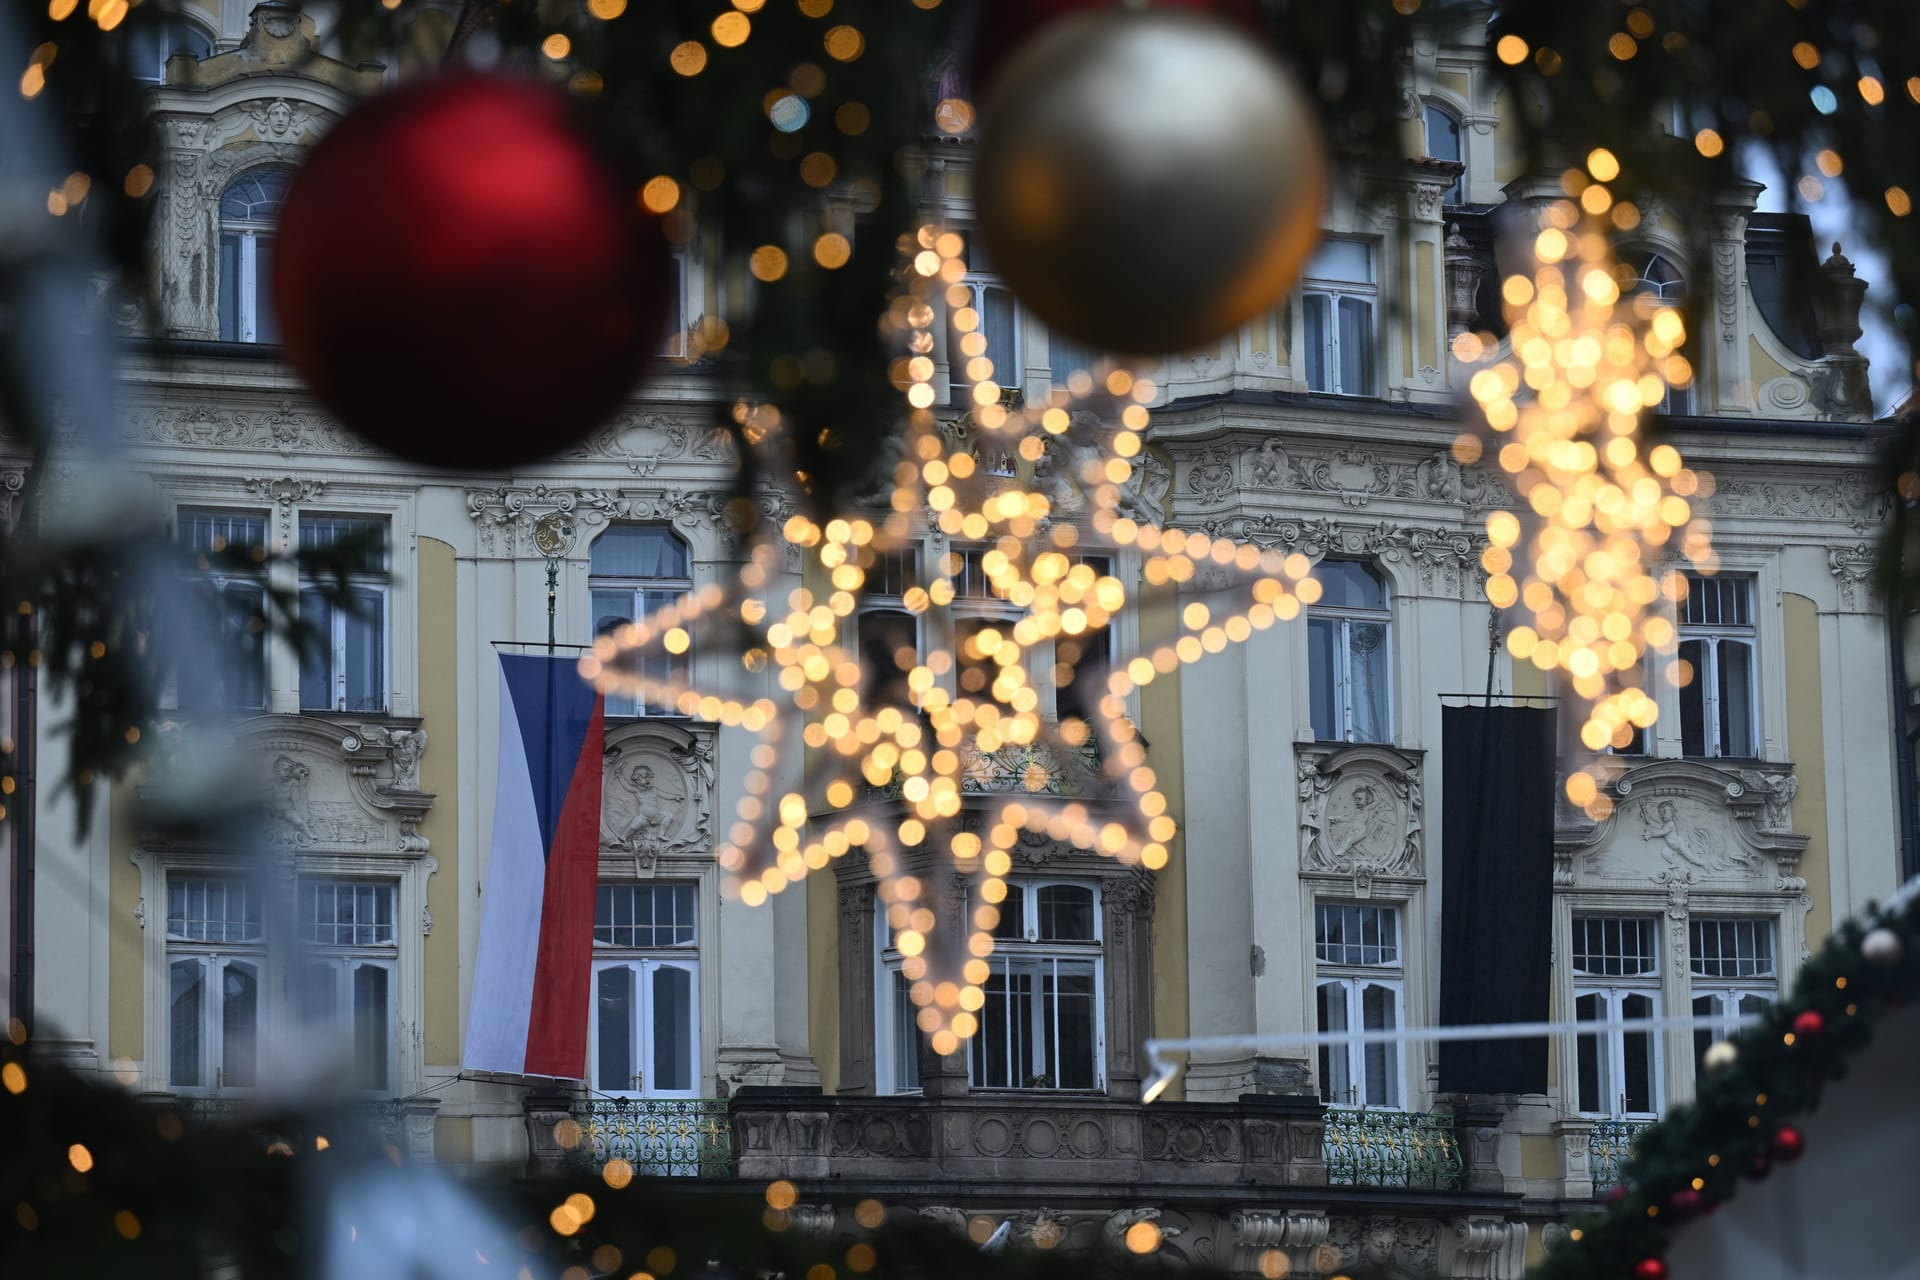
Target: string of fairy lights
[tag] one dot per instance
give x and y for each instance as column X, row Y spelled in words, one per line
column 1585, row 361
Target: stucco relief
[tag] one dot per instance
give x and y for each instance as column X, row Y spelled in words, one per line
column 657, row 795
column 1356, row 477
column 1853, row 569
column 1443, row 559
column 1688, row 826
column 505, row 515
column 1850, row 497
column 1360, row 813
column 280, row 428
column 643, row 441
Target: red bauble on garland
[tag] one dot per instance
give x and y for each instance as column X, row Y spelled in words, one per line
column 1808, row 1024
column 462, row 279
column 1005, row 25
column 1788, row 1144
column 1650, row 1269
column 1686, row 1202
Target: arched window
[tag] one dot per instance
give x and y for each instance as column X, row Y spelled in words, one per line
column 1658, row 278
column 1348, row 630
column 1443, row 143
column 160, row 36
column 633, row 571
column 248, row 209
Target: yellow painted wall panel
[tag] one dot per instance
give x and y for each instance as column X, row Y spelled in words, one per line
column 439, row 775
column 1806, row 742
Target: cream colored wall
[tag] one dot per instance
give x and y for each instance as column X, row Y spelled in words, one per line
column 1161, row 723
column 1802, row 626
column 440, row 775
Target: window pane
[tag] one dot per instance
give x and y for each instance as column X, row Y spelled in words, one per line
column 316, row 664
column 638, row 551
column 239, row 1021
column 1736, row 698
column 1616, row 946
column 889, row 647
column 1070, row 1051
column 1637, row 1086
column 1356, row 346
column 1368, row 694
column 1345, row 261
column 1089, row 657
column 673, row 1015
column 370, row 1026
column 230, row 286
column 366, row 635
column 976, row 670
column 1066, row 913
column 1000, row 323
column 266, row 326
column 613, row 1067
column 1349, row 584
column 1064, row 356
column 906, row 1036
column 1592, row 1056
column 1003, row 1048
column 1693, row 703
column 1013, row 921
column 1316, row 342
column 187, row 991
column 1379, row 1014
column 1336, row 1083
column 1704, row 1007
column 318, row 994
column 1323, row 679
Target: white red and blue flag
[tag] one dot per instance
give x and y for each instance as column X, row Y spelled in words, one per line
column 535, row 959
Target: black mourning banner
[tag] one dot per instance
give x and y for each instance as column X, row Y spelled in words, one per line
column 1496, row 900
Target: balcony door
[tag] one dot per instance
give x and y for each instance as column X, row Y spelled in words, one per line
column 646, row 1028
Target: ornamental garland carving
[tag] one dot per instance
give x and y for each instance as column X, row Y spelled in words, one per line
column 280, row 428
column 641, row 441
column 1850, row 497
column 1361, row 813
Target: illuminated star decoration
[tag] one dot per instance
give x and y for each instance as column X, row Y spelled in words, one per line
column 1564, row 411
column 879, row 735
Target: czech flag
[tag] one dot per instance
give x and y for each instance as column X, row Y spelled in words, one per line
column 535, row 960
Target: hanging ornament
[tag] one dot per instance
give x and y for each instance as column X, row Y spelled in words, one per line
column 1650, row 1269
column 1808, row 1024
column 1147, row 181
column 1882, row 948
column 1686, row 1202
column 1004, row 26
column 1789, row 1144
column 461, row 279
column 1721, row 1053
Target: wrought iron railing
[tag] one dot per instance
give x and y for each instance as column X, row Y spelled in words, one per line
column 658, row 1137
column 1609, row 1143
column 1374, row 1147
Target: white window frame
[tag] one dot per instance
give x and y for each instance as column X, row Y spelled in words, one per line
column 1457, row 193
column 1706, row 675
column 673, row 342
column 1029, row 954
column 1333, row 290
column 620, row 706
column 977, row 283
column 1727, row 992
column 1612, row 991
column 213, row 958
column 220, row 583
column 1342, row 675
column 378, row 583
column 891, row 1038
column 345, row 960
column 248, row 232
column 642, row 963
column 1353, row 980
column 1678, row 401
column 880, row 598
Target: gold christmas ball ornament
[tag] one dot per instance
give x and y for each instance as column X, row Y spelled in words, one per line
column 1147, row 180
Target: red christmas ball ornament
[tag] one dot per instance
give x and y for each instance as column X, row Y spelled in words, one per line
column 1615, row 1194
column 1789, row 1144
column 1650, row 1269
column 1005, row 25
column 1686, row 1202
column 1808, row 1024
column 462, row 279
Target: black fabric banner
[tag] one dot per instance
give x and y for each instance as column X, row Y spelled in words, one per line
column 1496, row 899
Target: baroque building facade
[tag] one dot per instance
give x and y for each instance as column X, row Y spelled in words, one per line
column 1303, row 893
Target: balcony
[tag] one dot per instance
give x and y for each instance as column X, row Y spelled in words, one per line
column 656, row 1137
column 403, row 1127
column 1371, row 1147
column 1609, row 1143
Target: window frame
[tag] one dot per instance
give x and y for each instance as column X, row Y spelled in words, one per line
column 1728, row 992
column 978, row 281
column 1706, row 675
column 1678, row 401
column 1029, row 953
column 1334, row 290
column 1612, row 991
column 222, row 584
column 213, row 959
column 643, row 962
column 248, row 235
column 1353, row 979
column 1346, row 616
column 619, row 706
column 346, row 959
column 379, row 583
column 1430, row 107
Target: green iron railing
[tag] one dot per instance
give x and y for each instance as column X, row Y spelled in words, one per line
column 1609, row 1143
column 1372, row 1147
column 659, row 1137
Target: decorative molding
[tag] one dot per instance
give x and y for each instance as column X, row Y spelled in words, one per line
column 279, row 428
column 1850, row 498
column 1357, row 477
column 1445, row 559
column 1384, row 1241
column 1853, row 567
column 505, row 515
column 642, row 441
column 1361, row 813
column 285, row 493
column 658, row 795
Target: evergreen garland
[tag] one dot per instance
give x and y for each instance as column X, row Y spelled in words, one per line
column 1745, row 1118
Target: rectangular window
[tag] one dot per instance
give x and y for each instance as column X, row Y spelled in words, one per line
column 1719, row 704
column 1616, row 963
column 987, row 327
column 1348, row 645
column 646, row 985
column 634, row 572
column 1731, row 964
column 1041, row 1025
column 222, row 656
column 346, row 972
column 1337, row 319
column 1358, row 985
column 216, row 964
column 888, row 635
column 346, row 670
